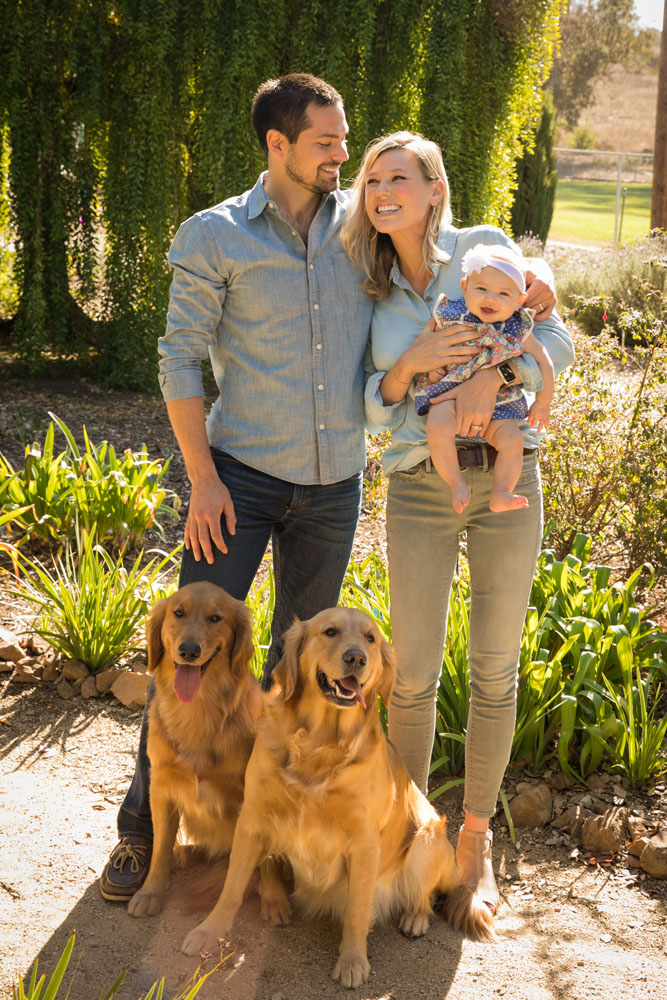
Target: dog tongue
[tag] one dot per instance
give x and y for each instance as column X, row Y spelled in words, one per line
column 351, row 683
column 187, row 681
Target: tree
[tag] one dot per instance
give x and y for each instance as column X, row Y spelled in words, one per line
column 533, row 206
column 594, row 35
column 659, row 194
column 121, row 118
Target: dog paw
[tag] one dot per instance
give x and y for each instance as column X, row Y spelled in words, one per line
column 351, row 970
column 415, row 924
column 276, row 909
column 145, row 904
column 200, row 941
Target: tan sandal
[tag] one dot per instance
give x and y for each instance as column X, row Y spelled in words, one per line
column 473, row 857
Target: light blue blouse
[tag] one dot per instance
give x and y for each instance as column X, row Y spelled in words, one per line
column 399, row 319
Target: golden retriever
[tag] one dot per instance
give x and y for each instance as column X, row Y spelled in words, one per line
column 326, row 791
column 201, row 729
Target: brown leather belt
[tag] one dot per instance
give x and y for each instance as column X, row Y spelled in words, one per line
column 481, row 456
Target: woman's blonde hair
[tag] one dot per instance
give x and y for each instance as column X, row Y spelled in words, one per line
column 374, row 251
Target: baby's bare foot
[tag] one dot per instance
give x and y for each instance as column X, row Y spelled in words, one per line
column 502, row 500
column 460, row 497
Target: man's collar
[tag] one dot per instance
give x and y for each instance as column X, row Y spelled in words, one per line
column 258, row 198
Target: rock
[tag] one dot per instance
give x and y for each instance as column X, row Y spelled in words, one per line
column 532, row 807
column 597, row 784
column 51, row 671
column 10, row 646
column 89, row 688
column 131, row 689
column 637, row 826
column 637, row 846
column 37, row 646
column 65, row 689
column 6, row 666
column 74, row 670
column 605, row 834
column 653, row 858
column 27, row 671
column 138, row 666
column 572, row 820
column 104, row 679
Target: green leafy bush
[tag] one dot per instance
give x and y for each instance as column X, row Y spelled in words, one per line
column 604, row 462
column 90, row 607
column 117, row 497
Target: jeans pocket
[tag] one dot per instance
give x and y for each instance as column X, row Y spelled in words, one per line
column 413, row 475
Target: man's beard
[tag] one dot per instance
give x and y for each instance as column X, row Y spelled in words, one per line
column 322, row 183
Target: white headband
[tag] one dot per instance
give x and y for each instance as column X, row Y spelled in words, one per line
column 479, row 257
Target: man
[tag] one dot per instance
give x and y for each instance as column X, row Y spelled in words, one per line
column 262, row 287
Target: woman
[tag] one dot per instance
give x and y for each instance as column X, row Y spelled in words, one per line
column 399, row 230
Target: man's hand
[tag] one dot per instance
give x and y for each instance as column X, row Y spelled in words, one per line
column 209, row 502
column 539, row 297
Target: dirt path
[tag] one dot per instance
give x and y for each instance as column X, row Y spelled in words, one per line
column 566, row 930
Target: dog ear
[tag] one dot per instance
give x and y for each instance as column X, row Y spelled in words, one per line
column 154, row 634
column 286, row 671
column 243, row 649
column 388, row 679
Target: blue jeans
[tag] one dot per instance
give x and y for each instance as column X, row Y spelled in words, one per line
column 311, row 529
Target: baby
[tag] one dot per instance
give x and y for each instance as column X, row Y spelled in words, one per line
column 494, row 289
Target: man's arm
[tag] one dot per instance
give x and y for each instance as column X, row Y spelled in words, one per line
column 210, row 499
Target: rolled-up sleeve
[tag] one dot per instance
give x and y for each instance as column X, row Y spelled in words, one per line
column 555, row 337
column 380, row 417
column 196, row 303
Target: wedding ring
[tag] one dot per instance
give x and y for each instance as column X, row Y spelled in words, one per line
column 540, row 307
column 476, row 427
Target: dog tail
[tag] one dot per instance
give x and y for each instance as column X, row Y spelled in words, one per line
column 465, row 911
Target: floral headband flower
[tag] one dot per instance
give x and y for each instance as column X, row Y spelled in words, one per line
column 480, row 256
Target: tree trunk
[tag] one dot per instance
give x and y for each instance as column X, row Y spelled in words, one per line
column 659, row 197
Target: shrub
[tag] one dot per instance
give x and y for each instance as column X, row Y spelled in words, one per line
column 91, row 606
column 117, row 497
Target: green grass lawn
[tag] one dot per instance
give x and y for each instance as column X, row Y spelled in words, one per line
column 585, row 212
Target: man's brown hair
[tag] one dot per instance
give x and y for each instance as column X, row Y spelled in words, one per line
column 283, row 104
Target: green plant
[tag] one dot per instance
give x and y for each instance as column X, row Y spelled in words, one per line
column 156, row 992
column 90, row 606
column 583, row 137
column 118, row 497
column 604, row 462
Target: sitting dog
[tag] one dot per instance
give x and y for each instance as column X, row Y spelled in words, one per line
column 326, row 791
column 201, row 729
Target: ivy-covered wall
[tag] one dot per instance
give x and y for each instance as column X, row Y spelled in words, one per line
column 120, row 119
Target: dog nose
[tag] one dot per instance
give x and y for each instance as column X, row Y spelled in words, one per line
column 189, row 651
column 354, row 657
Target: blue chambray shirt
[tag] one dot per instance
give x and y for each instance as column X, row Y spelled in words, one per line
column 400, row 318
column 285, row 326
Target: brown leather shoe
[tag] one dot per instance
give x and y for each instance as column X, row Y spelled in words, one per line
column 126, row 870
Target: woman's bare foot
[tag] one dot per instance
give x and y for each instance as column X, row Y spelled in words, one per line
column 502, row 500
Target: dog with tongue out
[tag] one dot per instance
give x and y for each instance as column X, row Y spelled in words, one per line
column 202, row 723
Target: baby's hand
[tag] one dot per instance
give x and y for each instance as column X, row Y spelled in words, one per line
column 437, row 374
column 538, row 415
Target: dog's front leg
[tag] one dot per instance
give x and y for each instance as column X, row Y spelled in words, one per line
column 247, row 849
column 148, row 900
column 352, row 967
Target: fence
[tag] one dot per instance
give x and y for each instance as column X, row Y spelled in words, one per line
column 605, row 165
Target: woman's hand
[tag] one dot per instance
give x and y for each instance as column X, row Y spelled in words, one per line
column 539, row 297
column 475, row 400
column 434, row 348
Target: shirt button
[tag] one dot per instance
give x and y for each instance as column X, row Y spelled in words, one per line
column 321, row 427
column 311, row 266
column 319, row 347
column 320, row 387
column 429, row 298
column 294, row 232
column 271, row 205
column 316, row 306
